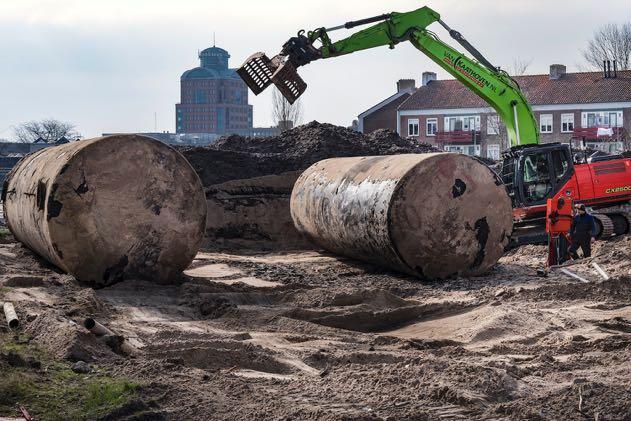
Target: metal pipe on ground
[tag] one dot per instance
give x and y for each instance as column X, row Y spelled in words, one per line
column 108, row 209
column 11, row 315
column 117, row 342
column 96, row 328
column 433, row 215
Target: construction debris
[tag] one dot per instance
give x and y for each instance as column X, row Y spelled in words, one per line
column 380, row 209
column 108, row 208
column 81, row 367
column 11, row 316
column 600, row 271
column 573, row 275
column 96, row 328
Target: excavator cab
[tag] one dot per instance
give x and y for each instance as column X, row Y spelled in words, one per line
column 534, row 173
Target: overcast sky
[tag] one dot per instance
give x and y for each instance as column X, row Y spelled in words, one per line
column 109, row 65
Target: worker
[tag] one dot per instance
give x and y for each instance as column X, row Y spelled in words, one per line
column 582, row 232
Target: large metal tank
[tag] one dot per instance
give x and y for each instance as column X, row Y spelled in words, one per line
column 431, row 215
column 109, row 208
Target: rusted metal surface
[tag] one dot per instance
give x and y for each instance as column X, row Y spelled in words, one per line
column 430, row 215
column 108, row 208
column 96, row 328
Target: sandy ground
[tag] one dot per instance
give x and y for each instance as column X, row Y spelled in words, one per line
column 308, row 335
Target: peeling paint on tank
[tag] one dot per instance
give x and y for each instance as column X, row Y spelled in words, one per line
column 399, row 212
column 95, row 208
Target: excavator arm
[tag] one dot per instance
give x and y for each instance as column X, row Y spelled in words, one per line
column 490, row 83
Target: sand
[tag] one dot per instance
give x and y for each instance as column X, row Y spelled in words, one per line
column 309, row 335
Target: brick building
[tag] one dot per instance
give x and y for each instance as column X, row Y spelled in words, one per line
column 213, row 98
column 384, row 114
column 589, row 106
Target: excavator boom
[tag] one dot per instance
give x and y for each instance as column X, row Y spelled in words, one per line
column 490, row 83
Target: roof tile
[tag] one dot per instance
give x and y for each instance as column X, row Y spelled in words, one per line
column 572, row 88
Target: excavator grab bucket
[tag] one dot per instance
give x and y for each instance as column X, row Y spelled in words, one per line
column 259, row 71
column 288, row 82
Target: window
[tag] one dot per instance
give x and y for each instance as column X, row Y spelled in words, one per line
column 200, row 96
column 560, row 165
column 537, row 181
column 473, row 150
column 462, row 123
column 601, row 119
column 413, row 127
column 464, row 149
column 545, row 123
column 567, row 123
column 431, row 126
column 493, row 152
column 492, row 124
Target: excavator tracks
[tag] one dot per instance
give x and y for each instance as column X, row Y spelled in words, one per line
column 620, row 218
column 605, row 225
column 621, row 223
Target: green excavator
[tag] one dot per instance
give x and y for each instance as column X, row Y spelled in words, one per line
column 531, row 172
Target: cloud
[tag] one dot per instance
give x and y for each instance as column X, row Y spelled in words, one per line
column 109, row 65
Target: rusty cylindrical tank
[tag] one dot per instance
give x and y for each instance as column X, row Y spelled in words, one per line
column 431, row 215
column 108, row 208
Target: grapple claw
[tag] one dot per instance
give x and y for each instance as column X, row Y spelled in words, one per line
column 288, row 82
column 259, row 71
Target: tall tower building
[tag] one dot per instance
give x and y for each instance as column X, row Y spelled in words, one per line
column 213, row 98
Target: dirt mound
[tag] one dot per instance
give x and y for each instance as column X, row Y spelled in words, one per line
column 614, row 288
column 371, row 311
column 66, row 340
column 315, row 141
column 248, row 181
column 236, row 157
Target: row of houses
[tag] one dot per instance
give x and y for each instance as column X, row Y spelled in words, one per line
column 589, row 107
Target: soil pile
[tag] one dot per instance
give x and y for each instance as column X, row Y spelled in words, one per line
column 236, row 157
column 248, row 181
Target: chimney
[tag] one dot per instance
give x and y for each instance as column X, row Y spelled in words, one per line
column 405, row 85
column 427, row 78
column 607, row 69
column 557, row 71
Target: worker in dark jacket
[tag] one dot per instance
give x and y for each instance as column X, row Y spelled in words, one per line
column 582, row 232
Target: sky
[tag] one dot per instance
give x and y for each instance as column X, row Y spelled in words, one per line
column 114, row 65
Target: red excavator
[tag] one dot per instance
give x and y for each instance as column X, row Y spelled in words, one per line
column 532, row 172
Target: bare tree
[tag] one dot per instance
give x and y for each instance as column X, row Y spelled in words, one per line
column 285, row 115
column 610, row 42
column 50, row 130
column 519, row 67
column 496, row 125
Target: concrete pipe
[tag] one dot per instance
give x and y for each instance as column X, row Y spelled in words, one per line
column 12, row 318
column 433, row 215
column 108, row 209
